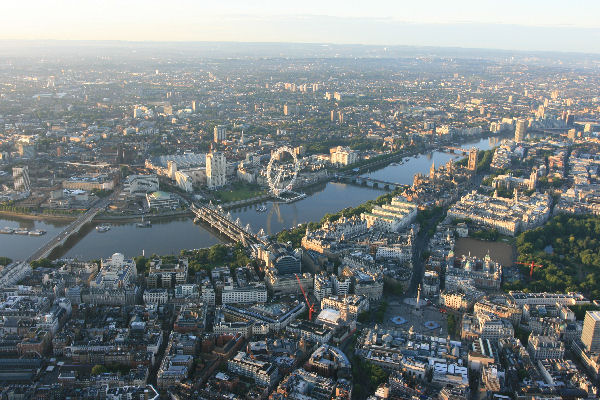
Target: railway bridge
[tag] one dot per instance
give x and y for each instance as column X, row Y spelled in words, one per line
column 222, row 223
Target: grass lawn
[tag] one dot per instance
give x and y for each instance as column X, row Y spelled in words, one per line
column 238, row 191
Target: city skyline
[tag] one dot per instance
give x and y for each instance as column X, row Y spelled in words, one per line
column 336, row 200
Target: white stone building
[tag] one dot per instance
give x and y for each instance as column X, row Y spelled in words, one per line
column 216, row 170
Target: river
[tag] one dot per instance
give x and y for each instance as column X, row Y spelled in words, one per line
column 404, row 173
column 170, row 236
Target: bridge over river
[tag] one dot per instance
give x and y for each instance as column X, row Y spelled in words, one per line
column 73, row 227
column 233, row 230
column 371, row 182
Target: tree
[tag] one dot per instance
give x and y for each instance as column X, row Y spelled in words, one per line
column 367, row 377
column 99, row 369
column 568, row 248
column 101, row 192
column 580, row 310
column 240, row 258
column 363, row 317
column 393, row 287
column 485, row 160
column 451, row 319
column 42, row 263
column 141, row 264
column 380, row 313
column 486, row 234
column 217, row 254
column 293, row 235
column 169, row 259
column 5, row 260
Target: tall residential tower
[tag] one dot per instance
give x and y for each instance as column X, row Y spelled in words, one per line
column 220, row 133
column 216, row 170
column 520, row 130
column 590, row 336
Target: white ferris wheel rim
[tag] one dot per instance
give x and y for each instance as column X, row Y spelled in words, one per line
column 275, row 189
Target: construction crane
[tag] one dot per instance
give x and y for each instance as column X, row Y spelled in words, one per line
column 531, row 266
column 311, row 307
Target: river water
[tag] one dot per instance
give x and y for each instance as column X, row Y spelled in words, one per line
column 170, row 236
column 404, row 173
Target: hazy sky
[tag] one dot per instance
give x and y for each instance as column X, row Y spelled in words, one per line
column 509, row 24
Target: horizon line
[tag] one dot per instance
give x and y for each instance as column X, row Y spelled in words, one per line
column 413, row 46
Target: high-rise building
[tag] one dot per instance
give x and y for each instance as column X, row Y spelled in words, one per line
column 138, row 112
column 343, row 155
column 172, row 169
column 216, row 170
column 541, row 112
column 290, row 109
column 570, row 118
column 473, row 158
column 220, row 133
column 336, row 115
column 26, row 150
column 194, row 105
column 21, row 179
column 590, row 336
column 520, row 130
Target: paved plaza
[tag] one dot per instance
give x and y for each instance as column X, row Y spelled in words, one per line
column 428, row 320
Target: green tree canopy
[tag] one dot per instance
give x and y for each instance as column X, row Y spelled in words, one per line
column 5, row 260
column 569, row 250
column 99, row 369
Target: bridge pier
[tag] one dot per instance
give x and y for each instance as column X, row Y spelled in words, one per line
column 224, row 226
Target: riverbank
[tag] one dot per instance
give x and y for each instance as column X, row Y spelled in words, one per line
column 38, row 217
column 98, row 218
column 138, row 217
column 385, row 160
column 174, row 231
column 246, row 202
column 266, row 197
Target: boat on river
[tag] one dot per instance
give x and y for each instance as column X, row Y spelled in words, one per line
column 103, row 228
column 144, row 224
